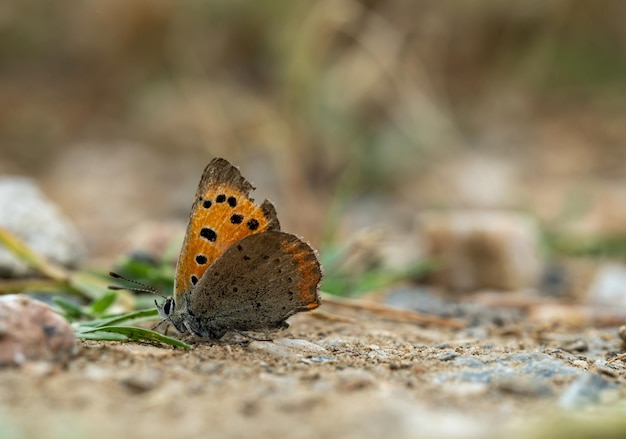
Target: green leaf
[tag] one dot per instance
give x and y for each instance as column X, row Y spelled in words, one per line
column 99, row 307
column 106, row 336
column 134, row 333
column 70, row 310
column 135, row 317
column 25, row 254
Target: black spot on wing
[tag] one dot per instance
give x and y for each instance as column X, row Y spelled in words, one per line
column 208, row 234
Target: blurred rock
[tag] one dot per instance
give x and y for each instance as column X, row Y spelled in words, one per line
column 142, row 382
column 31, row 331
column 576, row 315
column 608, row 286
column 621, row 332
column 483, row 249
column 508, row 371
column 588, row 389
column 427, row 301
column 34, row 219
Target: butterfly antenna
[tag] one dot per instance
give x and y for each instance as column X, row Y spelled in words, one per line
column 144, row 288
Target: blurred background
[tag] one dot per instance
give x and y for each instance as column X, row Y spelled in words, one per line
column 348, row 115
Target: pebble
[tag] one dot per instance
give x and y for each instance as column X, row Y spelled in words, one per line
column 621, row 332
column 524, row 386
column 586, row 390
column 288, row 348
column 426, row 300
column 447, row 356
column 577, row 345
column 35, row 220
column 582, row 364
column 503, row 370
column 607, row 286
column 340, row 344
column 319, row 359
column 143, row 381
column 485, row 249
column 355, row 379
column 31, row 331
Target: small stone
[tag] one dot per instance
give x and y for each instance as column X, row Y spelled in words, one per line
column 483, row 249
column 142, row 382
column 377, row 354
column 523, row 386
column 468, row 361
column 585, row 390
column 319, row 359
column 31, row 331
column 622, row 333
column 582, row 364
column 607, row 286
column 288, row 348
column 351, row 380
column 497, row 368
column 447, row 356
column 338, row 344
column 38, row 222
column 577, row 345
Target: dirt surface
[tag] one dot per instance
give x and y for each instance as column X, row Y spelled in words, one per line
column 342, row 373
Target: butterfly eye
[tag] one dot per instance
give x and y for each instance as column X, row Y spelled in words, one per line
column 168, row 307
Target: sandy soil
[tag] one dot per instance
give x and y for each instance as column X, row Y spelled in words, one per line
column 366, row 377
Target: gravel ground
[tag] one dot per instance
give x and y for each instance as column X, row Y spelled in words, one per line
column 338, row 373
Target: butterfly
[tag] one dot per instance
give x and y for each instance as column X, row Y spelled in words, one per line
column 236, row 270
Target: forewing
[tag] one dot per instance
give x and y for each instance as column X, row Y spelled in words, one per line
column 222, row 213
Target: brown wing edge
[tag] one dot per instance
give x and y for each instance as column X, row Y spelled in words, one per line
column 269, row 211
column 221, row 171
column 317, row 271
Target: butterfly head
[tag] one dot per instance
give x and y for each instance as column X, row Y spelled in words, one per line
column 167, row 309
column 169, row 314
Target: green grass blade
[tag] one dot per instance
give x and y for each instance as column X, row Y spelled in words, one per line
column 100, row 306
column 70, row 310
column 105, row 336
column 22, row 252
column 132, row 317
column 134, row 333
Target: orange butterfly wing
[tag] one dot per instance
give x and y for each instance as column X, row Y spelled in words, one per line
column 222, row 214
